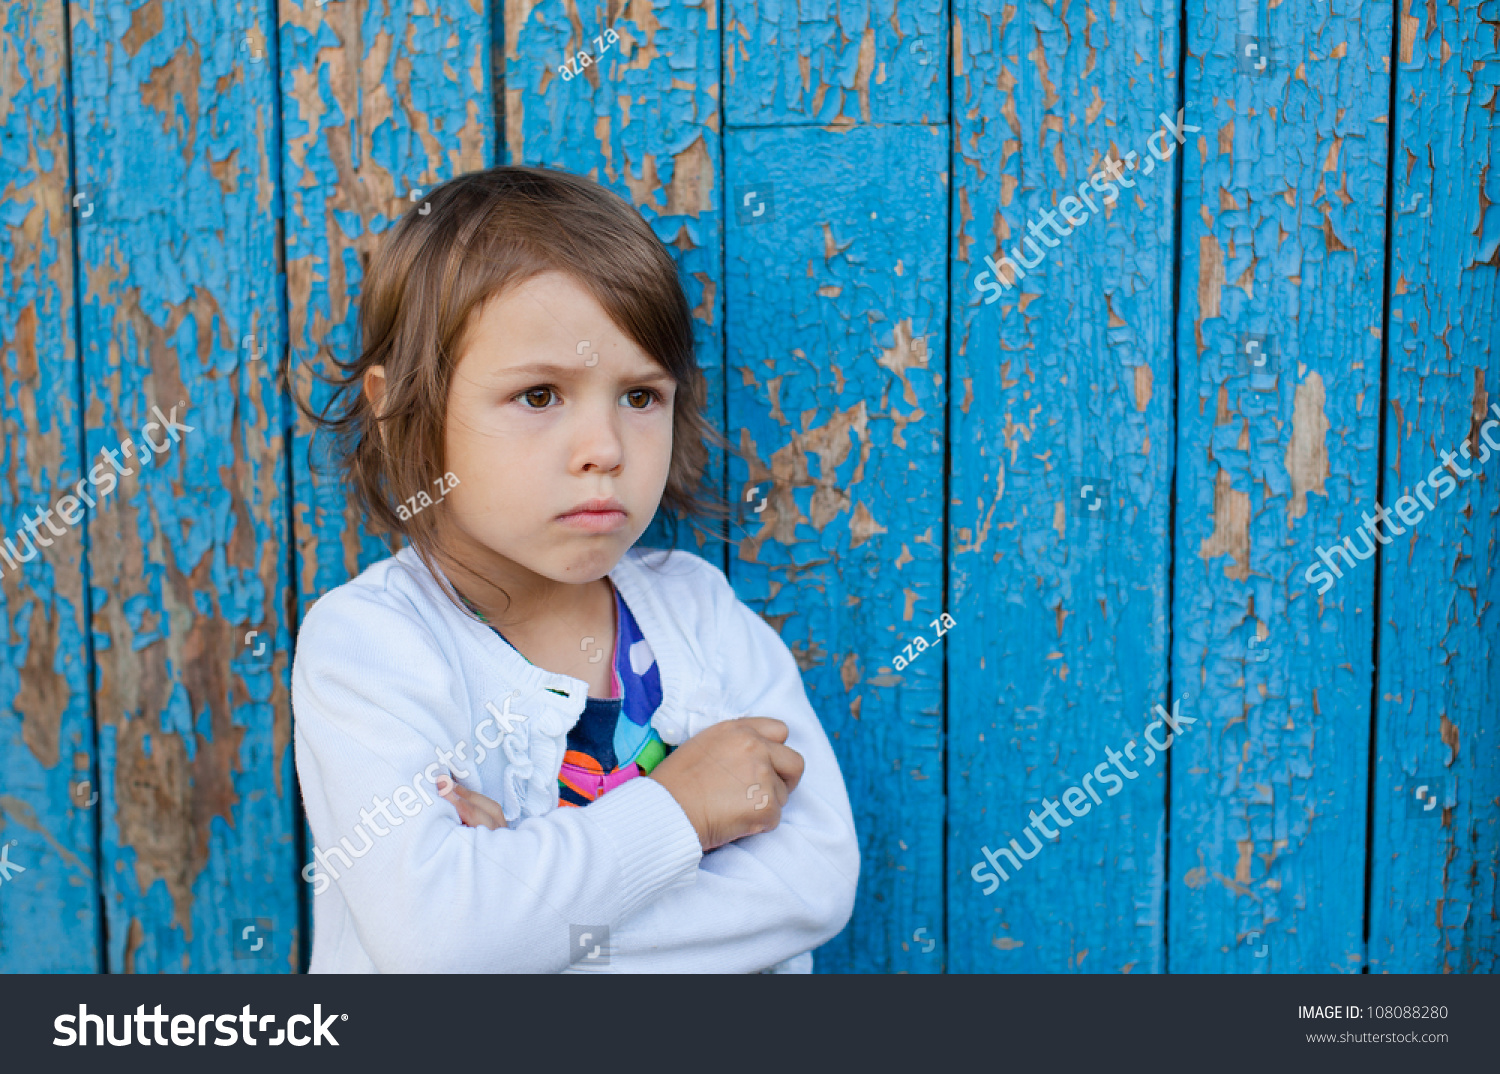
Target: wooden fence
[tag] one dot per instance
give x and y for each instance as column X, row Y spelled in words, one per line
column 1290, row 319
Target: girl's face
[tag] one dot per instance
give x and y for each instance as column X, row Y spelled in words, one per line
column 559, row 431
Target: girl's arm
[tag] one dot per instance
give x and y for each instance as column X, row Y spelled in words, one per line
column 767, row 897
column 431, row 895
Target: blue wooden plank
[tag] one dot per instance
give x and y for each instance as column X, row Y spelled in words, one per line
column 835, row 278
column 1282, row 238
column 379, row 106
column 835, row 64
column 49, row 891
column 1064, row 383
column 642, row 119
column 380, row 103
column 1437, row 704
column 175, row 122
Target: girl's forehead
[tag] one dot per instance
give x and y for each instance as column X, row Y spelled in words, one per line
column 512, row 331
column 547, row 287
column 550, row 303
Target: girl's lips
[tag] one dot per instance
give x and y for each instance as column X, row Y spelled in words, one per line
column 594, row 521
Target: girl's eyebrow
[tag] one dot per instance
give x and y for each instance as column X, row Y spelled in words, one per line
column 550, row 369
column 544, row 369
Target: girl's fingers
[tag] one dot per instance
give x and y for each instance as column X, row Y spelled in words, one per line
column 766, row 727
column 788, row 764
column 474, row 809
column 490, row 818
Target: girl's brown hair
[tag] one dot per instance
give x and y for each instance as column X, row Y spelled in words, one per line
column 485, row 232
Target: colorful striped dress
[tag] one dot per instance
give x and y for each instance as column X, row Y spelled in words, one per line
column 613, row 740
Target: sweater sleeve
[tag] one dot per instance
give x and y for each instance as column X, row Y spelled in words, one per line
column 768, row 897
column 432, row 895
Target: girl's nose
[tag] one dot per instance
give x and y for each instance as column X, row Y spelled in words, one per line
column 600, row 447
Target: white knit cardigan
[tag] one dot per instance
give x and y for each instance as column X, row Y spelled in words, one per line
column 389, row 672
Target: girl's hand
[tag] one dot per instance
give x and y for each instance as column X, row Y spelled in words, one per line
column 474, row 809
column 732, row 778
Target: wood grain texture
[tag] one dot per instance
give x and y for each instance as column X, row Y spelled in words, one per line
column 49, row 911
column 1064, row 381
column 788, row 63
column 1282, row 234
column 380, row 103
column 1437, row 710
column 642, row 119
column 836, row 391
column 175, row 124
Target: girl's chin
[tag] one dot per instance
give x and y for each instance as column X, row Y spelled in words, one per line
column 561, row 555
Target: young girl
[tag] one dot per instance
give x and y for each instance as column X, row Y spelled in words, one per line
column 627, row 775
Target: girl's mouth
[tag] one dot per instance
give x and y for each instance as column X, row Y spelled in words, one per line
column 595, row 516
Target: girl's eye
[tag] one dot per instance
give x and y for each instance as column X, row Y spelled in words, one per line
column 537, row 398
column 640, row 398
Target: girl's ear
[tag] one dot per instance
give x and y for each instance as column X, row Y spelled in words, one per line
column 374, row 386
column 373, row 383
